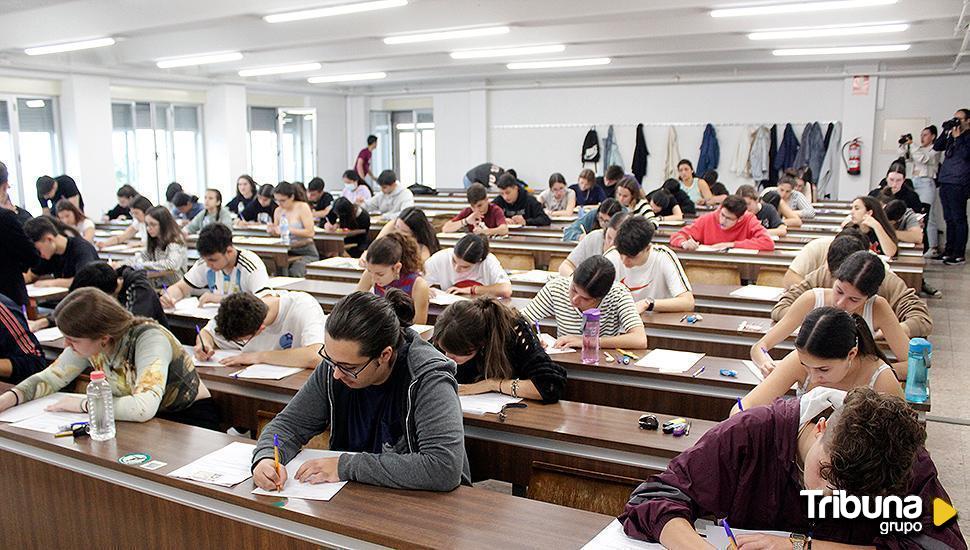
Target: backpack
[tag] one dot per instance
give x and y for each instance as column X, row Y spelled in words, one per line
column 418, row 189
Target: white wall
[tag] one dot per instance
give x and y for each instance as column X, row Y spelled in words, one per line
column 226, row 145
column 460, row 135
column 85, row 109
column 331, row 138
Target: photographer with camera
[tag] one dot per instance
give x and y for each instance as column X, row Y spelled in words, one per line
column 954, row 181
column 926, row 162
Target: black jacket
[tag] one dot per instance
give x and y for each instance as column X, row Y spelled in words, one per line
column 640, row 154
column 955, row 164
column 138, row 296
column 119, row 211
column 19, row 256
column 526, row 206
column 529, row 362
column 17, row 343
column 906, row 194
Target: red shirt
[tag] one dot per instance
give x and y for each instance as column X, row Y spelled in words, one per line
column 493, row 218
column 365, row 154
column 747, row 233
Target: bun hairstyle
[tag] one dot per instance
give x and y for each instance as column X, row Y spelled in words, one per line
column 393, row 248
column 482, row 324
column 472, row 248
column 371, row 321
column 292, row 190
column 595, row 275
column 862, row 270
column 831, row 333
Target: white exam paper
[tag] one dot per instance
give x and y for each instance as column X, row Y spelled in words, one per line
column 265, row 372
column 44, row 291
column 34, row 408
column 485, row 403
column 717, row 538
column 50, row 422
column 758, row 292
column 48, row 334
column 298, row 489
column 613, row 538
column 669, row 360
column 226, row 467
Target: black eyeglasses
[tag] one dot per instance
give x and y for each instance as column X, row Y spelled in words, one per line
column 350, row 370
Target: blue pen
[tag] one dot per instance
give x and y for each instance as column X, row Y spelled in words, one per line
column 730, row 534
column 201, row 340
column 740, row 406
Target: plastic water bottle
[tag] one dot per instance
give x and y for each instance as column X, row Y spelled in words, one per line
column 284, row 230
column 917, row 375
column 101, row 412
column 591, row 336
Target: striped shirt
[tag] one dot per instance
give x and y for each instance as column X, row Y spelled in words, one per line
column 618, row 313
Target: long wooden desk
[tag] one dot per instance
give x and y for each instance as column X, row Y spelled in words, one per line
column 82, row 483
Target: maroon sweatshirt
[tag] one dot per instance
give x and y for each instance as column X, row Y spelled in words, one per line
column 744, row 470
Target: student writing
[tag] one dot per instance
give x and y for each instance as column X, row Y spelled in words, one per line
column 393, row 262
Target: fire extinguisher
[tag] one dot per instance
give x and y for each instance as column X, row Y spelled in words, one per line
column 853, row 163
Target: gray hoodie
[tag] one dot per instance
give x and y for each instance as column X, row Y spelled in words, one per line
column 429, row 456
column 390, row 205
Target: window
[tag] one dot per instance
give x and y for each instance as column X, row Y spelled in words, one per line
column 282, row 144
column 28, row 145
column 155, row 144
column 405, row 143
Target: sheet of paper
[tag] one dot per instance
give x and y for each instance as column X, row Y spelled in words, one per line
column 749, row 364
column 791, row 253
column 50, row 422
column 534, row 276
column 549, row 344
column 277, row 282
column 758, row 292
column 213, row 361
column 717, row 538
column 748, row 251
column 613, row 538
column 258, row 240
column 451, row 235
column 445, row 299
column 338, row 262
column 484, row 403
column 421, row 329
column 48, row 334
column 120, row 247
column 669, row 360
column 44, row 291
column 562, row 218
column 226, row 467
column 708, row 248
column 33, row 408
column 190, row 307
column 266, row 372
column 775, row 238
column 309, row 491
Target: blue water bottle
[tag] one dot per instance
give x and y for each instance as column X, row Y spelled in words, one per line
column 917, row 376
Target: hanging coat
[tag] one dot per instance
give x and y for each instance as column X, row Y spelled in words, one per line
column 812, row 149
column 611, row 150
column 826, row 186
column 758, row 157
column 787, row 151
column 772, row 180
column 828, row 135
column 710, row 151
column 741, row 164
column 640, row 154
column 591, row 147
column 673, row 154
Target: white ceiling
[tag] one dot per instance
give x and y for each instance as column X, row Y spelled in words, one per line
column 645, row 38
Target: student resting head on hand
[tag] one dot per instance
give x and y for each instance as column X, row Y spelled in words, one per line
column 497, row 351
column 385, row 394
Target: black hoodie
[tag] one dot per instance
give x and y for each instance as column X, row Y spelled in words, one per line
column 526, row 206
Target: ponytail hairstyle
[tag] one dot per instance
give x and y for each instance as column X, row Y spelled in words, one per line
column 173, row 189
column 556, row 177
column 90, row 313
column 353, row 176
column 831, row 333
column 879, row 214
column 371, row 321
column 291, row 190
column 168, row 230
column 41, row 226
column 218, row 195
column 424, row 233
column 609, row 206
column 862, row 270
column 472, row 248
column 595, row 275
column 393, row 248
column 484, row 325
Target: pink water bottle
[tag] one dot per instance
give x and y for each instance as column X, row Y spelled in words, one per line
column 591, row 336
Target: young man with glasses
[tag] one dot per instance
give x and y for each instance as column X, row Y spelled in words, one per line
column 277, row 327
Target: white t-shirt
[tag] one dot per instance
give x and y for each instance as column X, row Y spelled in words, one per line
column 591, row 245
column 248, row 275
column 438, row 270
column 84, row 226
column 549, row 201
column 661, row 277
column 300, row 323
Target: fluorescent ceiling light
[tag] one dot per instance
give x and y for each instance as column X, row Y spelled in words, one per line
column 330, row 11
column 507, row 52
column 446, row 35
column 799, row 7
column 35, row 103
column 842, row 50
column 410, row 126
column 282, row 69
column 199, row 60
column 828, row 31
column 345, row 78
column 559, row 64
column 70, row 46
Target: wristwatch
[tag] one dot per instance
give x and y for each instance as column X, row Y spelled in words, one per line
column 800, row 542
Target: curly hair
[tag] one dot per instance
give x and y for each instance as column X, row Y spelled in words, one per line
column 240, row 315
column 872, row 443
column 393, row 248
